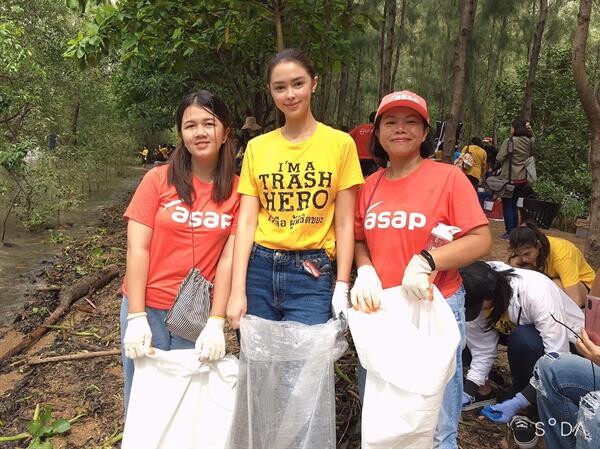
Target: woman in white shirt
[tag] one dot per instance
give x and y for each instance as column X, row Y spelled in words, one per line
column 522, row 309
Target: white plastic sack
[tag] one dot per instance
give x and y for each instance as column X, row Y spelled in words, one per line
column 178, row 402
column 286, row 385
column 409, row 351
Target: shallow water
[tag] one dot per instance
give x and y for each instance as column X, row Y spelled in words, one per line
column 23, row 259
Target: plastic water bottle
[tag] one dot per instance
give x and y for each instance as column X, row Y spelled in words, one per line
column 440, row 235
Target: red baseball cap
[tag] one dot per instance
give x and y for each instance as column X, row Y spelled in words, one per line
column 404, row 98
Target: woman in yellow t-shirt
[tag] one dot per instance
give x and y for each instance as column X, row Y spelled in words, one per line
column 298, row 187
column 558, row 258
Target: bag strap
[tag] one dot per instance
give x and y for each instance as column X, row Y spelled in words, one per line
column 375, row 188
column 193, row 247
column 202, row 207
column 511, row 147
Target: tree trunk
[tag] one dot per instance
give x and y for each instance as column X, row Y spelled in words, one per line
column 533, row 60
column 387, row 47
column 331, row 113
column 354, row 107
column 74, row 120
column 277, row 7
column 67, row 296
column 591, row 106
column 325, row 83
column 398, row 44
column 467, row 19
column 341, row 106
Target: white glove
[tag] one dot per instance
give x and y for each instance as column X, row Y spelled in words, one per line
column 339, row 302
column 211, row 341
column 138, row 336
column 416, row 283
column 366, row 292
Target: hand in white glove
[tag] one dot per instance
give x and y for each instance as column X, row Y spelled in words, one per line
column 416, row 283
column 138, row 336
column 211, row 341
column 339, row 302
column 366, row 292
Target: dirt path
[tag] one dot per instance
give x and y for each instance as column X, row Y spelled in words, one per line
column 91, row 389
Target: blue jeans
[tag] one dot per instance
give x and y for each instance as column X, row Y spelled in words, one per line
column 509, row 206
column 511, row 214
column 279, row 288
column 568, row 401
column 524, row 346
column 446, row 434
column 161, row 339
column 447, row 429
column 483, row 196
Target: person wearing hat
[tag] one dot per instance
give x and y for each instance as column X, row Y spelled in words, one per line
column 396, row 210
column 251, row 126
column 527, row 312
column 474, row 166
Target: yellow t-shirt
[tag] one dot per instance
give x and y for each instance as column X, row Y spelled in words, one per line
column 479, row 160
column 566, row 262
column 296, row 184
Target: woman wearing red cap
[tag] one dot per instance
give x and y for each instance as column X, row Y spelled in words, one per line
column 395, row 213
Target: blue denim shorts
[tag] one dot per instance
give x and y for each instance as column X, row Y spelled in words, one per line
column 280, row 285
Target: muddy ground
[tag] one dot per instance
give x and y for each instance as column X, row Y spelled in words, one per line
column 89, row 391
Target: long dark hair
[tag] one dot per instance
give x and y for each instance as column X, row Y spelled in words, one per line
column 180, row 164
column 482, row 282
column 380, row 155
column 520, row 129
column 528, row 234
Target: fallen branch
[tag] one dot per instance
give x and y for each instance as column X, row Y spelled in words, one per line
column 79, row 356
column 67, row 297
column 48, row 288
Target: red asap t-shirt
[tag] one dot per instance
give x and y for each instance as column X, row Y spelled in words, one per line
column 156, row 204
column 396, row 222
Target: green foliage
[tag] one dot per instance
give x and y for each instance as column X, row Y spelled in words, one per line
column 12, row 159
column 42, row 93
column 43, row 427
column 41, row 311
column 573, row 204
column 561, row 132
column 170, row 47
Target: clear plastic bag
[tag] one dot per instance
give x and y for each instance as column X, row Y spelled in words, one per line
column 286, row 385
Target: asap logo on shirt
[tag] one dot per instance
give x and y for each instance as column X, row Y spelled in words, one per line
column 207, row 219
column 398, row 219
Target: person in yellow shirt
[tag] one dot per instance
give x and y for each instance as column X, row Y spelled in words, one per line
column 144, row 154
column 558, row 258
column 298, row 188
column 476, row 168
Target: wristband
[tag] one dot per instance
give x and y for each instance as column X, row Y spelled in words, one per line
column 217, row 316
column 429, row 258
column 131, row 316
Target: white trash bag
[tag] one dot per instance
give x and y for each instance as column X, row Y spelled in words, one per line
column 408, row 348
column 286, row 385
column 178, row 402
